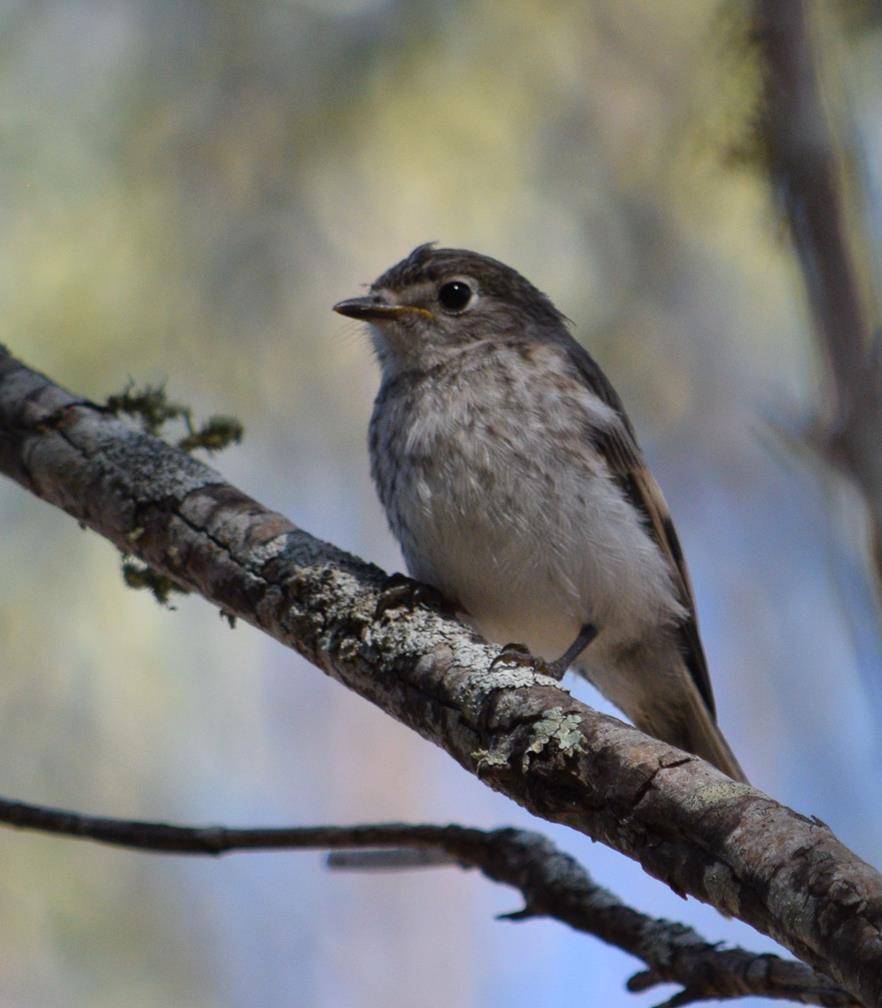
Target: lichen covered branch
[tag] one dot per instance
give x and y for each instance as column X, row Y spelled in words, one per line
column 519, row 731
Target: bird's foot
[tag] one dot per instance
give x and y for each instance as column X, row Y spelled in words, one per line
column 514, row 654
column 519, row 654
column 557, row 668
column 401, row 592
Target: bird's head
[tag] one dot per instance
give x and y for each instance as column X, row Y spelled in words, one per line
column 439, row 300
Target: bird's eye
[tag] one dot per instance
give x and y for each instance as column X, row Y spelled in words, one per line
column 455, row 296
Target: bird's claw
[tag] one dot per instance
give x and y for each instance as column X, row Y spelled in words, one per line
column 401, row 592
column 514, row 653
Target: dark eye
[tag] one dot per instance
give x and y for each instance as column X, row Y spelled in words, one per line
column 455, row 295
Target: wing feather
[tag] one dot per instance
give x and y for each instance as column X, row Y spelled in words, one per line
column 618, row 443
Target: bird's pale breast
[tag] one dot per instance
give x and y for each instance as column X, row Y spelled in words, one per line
column 493, row 487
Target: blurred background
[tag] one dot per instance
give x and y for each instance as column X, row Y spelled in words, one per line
column 186, row 188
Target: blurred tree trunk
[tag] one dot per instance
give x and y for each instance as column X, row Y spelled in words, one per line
column 807, row 177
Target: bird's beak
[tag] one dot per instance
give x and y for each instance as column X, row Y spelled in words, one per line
column 373, row 308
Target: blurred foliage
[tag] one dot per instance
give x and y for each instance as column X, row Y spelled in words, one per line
column 141, row 577
column 187, row 187
column 151, row 406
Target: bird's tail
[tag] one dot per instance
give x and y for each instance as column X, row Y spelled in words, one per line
column 692, row 727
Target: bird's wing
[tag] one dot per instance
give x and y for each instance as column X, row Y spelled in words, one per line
column 618, row 444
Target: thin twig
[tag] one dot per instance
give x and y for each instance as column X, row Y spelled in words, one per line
column 551, row 882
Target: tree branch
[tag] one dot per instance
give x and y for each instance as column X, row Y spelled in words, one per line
column 551, row 882
column 519, row 731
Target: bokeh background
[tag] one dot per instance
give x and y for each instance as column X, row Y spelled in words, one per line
column 186, row 188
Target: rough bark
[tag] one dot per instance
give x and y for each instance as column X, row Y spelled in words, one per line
column 704, row 835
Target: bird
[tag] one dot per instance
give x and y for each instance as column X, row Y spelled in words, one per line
column 512, row 478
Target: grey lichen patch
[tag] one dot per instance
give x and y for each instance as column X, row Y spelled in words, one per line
column 147, row 466
column 508, row 677
column 482, row 680
column 555, row 727
column 342, row 613
column 422, row 634
column 486, row 760
column 348, row 649
column 265, row 553
column 469, row 652
column 404, row 631
column 345, row 591
column 705, row 794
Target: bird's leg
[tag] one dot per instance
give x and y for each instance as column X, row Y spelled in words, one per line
column 519, row 654
column 557, row 668
column 400, row 591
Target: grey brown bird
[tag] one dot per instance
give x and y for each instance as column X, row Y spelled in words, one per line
column 512, row 478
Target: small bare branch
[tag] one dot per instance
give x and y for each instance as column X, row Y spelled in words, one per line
column 552, row 884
